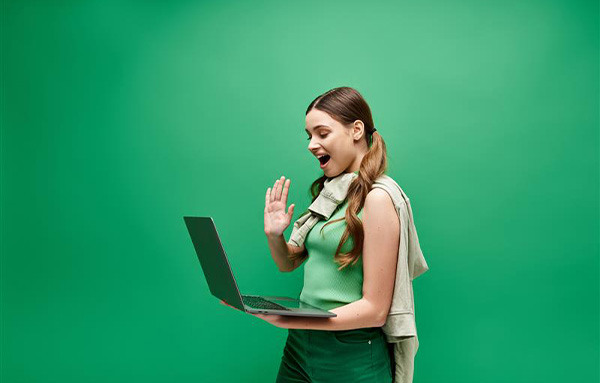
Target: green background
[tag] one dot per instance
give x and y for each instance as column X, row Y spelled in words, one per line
column 119, row 118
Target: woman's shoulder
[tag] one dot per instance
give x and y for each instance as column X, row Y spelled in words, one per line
column 380, row 204
column 378, row 195
column 385, row 185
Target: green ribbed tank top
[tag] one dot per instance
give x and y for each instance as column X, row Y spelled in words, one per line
column 325, row 286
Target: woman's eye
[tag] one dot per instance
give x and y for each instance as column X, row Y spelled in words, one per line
column 323, row 136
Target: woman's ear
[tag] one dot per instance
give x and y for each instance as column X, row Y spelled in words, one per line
column 358, row 130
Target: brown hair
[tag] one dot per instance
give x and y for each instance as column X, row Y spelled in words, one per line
column 346, row 105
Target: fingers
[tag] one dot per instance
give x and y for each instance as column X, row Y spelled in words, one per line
column 279, row 191
column 286, row 188
column 227, row 304
column 279, row 187
column 273, row 191
column 267, row 196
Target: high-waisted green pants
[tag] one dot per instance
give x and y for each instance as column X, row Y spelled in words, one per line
column 358, row 355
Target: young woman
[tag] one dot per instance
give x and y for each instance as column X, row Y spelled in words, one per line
column 350, row 258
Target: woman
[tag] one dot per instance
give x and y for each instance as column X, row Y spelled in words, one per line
column 350, row 258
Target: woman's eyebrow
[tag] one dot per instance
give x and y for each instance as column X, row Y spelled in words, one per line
column 317, row 127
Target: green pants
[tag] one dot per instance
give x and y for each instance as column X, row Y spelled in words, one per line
column 359, row 355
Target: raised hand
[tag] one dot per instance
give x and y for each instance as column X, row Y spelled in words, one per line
column 276, row 219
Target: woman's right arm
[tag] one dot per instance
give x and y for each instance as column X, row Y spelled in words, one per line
column 280, row 250
column 276, row 221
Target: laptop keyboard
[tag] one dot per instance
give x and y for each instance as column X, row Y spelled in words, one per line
column 261, row 303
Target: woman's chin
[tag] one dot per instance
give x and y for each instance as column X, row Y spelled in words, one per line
column 331, row 173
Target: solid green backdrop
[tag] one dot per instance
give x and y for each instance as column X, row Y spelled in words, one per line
column 119, row 118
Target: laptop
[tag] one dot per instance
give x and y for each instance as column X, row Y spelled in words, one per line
column 221, row 281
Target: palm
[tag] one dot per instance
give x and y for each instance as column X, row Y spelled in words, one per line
column 276, row 218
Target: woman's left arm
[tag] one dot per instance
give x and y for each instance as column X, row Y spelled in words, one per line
column 380, row 255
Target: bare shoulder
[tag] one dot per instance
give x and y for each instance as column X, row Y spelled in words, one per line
column 379, row 209
column 377, row 199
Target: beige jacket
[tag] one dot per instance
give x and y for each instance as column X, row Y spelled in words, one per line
column 400, row 327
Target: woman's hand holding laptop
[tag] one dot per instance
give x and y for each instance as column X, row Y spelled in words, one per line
column 275, row 320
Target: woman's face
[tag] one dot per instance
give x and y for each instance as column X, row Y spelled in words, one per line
column 339, row 143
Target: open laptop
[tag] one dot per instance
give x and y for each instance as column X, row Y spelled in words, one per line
column 221, row 281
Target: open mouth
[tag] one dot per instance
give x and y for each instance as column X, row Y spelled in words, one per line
column 324, row 160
